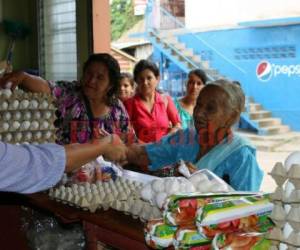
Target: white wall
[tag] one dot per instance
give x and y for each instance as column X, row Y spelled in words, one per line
column 217, row 13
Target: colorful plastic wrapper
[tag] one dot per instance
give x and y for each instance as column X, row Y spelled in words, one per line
column 241, row 241
column 190, row 239
column 248, row 213
column 181, row 209
column 98, row 170
column 159, row 235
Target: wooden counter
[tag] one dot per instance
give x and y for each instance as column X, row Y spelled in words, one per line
column 110, row 227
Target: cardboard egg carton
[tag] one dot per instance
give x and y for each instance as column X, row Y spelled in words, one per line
column 26, row 117
column 286, row 199
column 122, row 195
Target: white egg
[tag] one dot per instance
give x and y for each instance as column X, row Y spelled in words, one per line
column 293, row 158
column 16, row 125
column 204, row 186
column 14, row 104
column 18, row 136
column 17, row 115
column 44, row 125
column 25, row 125
column 5, row 126
column 44, row 104
column 6, row 116
column 168, row 182
column 34, row 125
column 37, row 115
column 189, row 188
column 28, row 136
column 27, row 115
column 146, row 192
column 24, row 104
column 4, row 105
column 194, row 180
column 6, row 93
column 33, row 104
column 8, row 137
column 160, row 199
column 219, row 188
column 173, row 187
column 198, row 177
column 47, row 135
column 158, row 185
column 37, row 135
column 47, row 114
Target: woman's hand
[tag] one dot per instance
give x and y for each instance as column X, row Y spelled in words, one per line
column 12, row 80
column 115, row 150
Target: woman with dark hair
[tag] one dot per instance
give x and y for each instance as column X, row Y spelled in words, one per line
column 152, row 114
column 85, row 106
column 127, row 86
column 185, row 105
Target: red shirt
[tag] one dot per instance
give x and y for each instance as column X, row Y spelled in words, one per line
column 150, row 127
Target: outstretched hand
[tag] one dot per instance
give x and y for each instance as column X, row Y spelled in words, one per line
column 115, row 150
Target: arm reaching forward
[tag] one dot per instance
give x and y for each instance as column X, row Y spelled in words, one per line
column 33, row 168
column 25, row 81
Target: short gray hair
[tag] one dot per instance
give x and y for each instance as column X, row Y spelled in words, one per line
column 236, row 96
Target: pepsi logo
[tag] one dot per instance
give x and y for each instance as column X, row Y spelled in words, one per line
column 264, row 71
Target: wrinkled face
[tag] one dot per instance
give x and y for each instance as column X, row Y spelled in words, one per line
column 96, row 81
column 147, row 82
column 210, row 111
column 194, row 85
column 126, row 89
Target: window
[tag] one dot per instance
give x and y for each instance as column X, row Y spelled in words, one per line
column 57, row 36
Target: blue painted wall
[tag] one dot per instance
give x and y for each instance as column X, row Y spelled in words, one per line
column 173, row 79
column 277, row 84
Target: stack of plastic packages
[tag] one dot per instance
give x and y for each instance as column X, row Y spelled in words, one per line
column 26, row 117
column 232, row 220
column 286, row 199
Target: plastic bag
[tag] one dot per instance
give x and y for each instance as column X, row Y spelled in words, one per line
column 97, row 170
column 43, row 232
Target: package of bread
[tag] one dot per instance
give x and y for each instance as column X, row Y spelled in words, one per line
column 189, row 238
column 245, row 213
column 181, row 209
column 241, row 241
column 159, row 235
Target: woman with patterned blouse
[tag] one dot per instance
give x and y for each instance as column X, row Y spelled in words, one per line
column 83, row 107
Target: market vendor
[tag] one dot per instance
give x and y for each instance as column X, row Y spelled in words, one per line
column 83, row 106
column 32, row 168
column 212, row 144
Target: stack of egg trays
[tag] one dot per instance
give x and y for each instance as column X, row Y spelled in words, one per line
column 122, row 195
column 26, row 117
column 286, row 211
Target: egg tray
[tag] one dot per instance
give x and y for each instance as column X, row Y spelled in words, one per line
column 122, row 195
column 203, row 181
column 286, row 211
column 26, row 117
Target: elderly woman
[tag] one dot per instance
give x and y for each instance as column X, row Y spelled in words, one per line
column 127, row 87
column 185, row 105
column 152, row 114
column 84, row 106
column 211, row 144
